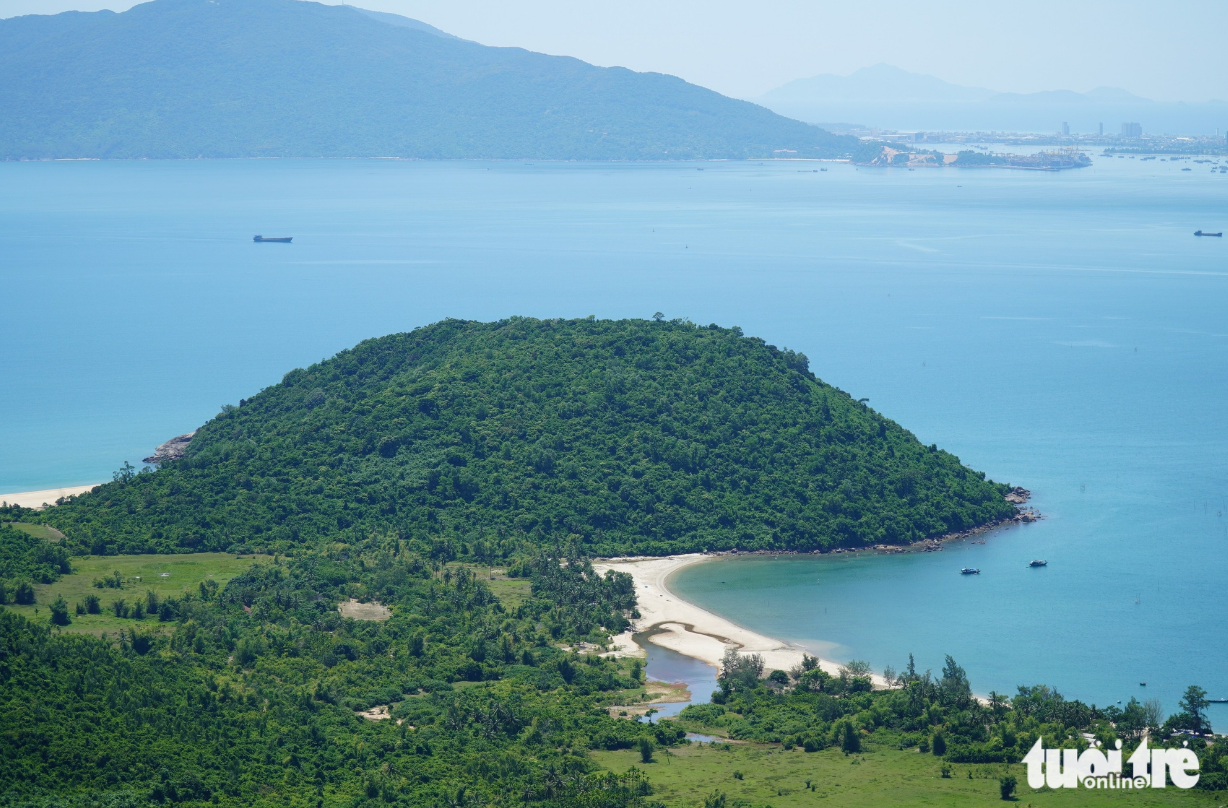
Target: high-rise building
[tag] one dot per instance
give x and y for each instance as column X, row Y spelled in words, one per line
column 1065, row 129
column 1131, row 130
column 1102, row 130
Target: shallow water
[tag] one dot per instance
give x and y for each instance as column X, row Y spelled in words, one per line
column 1062, row 331
column 665, row 665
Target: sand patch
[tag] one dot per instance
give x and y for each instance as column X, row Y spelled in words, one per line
column 48, row 496
column 364, row 611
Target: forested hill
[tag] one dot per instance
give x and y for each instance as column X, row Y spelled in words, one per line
column 285, row 78
column 602, row 437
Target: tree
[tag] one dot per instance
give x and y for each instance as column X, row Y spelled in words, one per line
column 1006, row 786
column 59, row 612
column 740, row 672
column 658, row 317
column 1194, row 703
column 850, row 742
column 939, row 744
column 954, row 689
column 126, row 472
column 645, row 747
column 24, row 594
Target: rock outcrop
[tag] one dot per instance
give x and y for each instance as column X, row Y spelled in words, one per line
column 173, row 449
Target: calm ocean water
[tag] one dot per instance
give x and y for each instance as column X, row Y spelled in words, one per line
column 1064, row 332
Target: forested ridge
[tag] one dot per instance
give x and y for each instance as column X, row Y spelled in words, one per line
column 182, row 79
column 250, row 695
column 597, row 437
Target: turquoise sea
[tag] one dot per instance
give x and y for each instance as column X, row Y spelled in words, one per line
column 1065, row 332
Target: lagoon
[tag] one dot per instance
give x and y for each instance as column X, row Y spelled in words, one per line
column 1061, row 331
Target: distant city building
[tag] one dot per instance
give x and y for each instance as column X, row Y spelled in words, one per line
column 1102, row 130
column 1131, row 130
column 1065, row 129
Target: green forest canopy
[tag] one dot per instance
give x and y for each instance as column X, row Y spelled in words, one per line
column 593, row 436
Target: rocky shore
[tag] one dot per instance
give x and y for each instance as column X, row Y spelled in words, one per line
column 173, row 449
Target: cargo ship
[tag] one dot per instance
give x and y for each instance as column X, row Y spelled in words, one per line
column 279, row 240
column 1216, row 235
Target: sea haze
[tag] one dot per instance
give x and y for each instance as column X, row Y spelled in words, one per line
column 1061, row 331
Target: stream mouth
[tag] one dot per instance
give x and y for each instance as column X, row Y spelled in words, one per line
column 664, row 665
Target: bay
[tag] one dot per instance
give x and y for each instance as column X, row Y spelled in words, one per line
column 1061, row 331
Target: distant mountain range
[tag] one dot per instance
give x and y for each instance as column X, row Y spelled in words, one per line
column 285, row 78
column 888, row 97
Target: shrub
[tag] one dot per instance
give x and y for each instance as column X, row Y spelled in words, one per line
column 1006, row 786
column 939, row 744
column 24, row 594
column 59, row 612
column 645, row 746
column 851, row 740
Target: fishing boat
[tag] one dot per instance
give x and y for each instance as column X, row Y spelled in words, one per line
column 1215, row 235
column 969, row 571
column 1039, row 563
column 1142, row 684
column 278, row 240
column 1218, row 701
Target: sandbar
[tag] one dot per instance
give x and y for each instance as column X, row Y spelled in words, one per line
column 686, row 628
column 41, row 499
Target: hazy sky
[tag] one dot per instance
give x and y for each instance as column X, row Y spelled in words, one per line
column 1167, row 51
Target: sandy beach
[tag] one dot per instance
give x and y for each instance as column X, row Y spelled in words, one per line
column 40, row 499
column 688, row 629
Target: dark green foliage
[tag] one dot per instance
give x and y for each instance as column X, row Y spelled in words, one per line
column 1006, row 786
column 252, row 698
column 939, row 745
column 23, row 594
column 850, row 740
column 593, row 437
column 275, row 78
column 29, row 558
column 645, row 748
column 59, row 612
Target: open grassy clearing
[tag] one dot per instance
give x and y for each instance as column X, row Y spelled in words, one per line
column 879, row 777
column 167, row 575
column 511, row 592
column 37, row 531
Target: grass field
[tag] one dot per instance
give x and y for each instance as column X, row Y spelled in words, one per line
column 875, row 779
column 37, row 531
column 165, row 574
column 511, row 592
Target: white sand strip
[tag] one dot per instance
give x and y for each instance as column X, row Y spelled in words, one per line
column 41, row 499
column 690, row 630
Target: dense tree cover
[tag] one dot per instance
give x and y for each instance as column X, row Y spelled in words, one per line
column 594, row 437
column 251, row 695
column 279, row 78
column 25, row 559
column 813, row 710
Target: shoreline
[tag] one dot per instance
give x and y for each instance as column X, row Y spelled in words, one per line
column 687, row 629
column 41, row 499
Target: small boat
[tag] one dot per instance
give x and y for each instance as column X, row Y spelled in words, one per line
column 969, row 571
column 1039, row 563
column 1216, row 235
column 278, row 240
column 1218, row 701
column 1142, row 684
